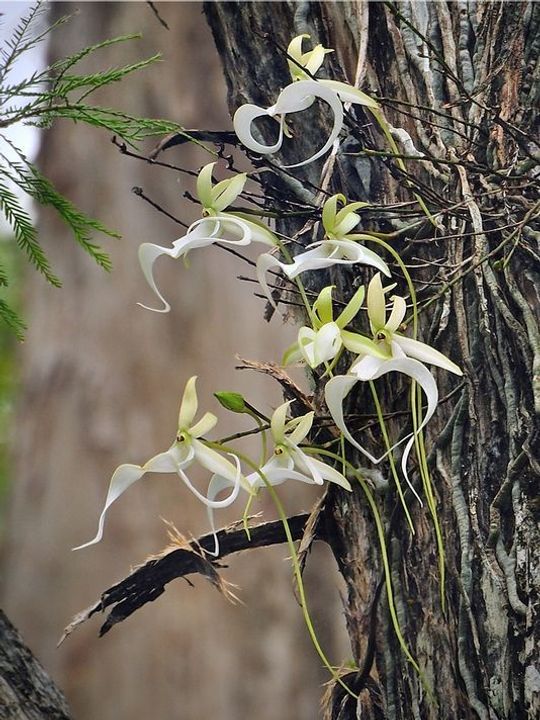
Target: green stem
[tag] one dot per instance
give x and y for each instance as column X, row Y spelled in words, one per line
column 295, row 561
column 384, row 552
column 388, row 446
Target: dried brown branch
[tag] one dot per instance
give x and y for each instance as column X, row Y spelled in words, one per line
column 182, row 558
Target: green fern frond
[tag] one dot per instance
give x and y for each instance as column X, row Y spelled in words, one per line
column 32, row 182
column 4, row 281
column 22, row 40
column 12, row 320
column 25, row 232
column 100, row 79
column 130, row 129
column 64, row 64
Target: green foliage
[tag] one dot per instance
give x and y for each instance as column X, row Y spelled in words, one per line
column 57, row 92
column 10, row 329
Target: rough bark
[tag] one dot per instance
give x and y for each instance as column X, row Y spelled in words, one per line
column 26, row 691
column 460, row 79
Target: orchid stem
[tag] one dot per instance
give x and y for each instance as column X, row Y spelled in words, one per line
column 388, row 445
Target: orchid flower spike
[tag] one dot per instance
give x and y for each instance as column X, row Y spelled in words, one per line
column 188, row 448
column 339, row 247
column 325, row 340
column 298, row 96
column 229, row 228
column 400, row 354
column 288, row 461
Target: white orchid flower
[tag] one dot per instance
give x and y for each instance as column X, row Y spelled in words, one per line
column 325, row 340
column 229, row 228
column 298, row 96
column 187, row 449
column 339, row 247
column 288, row 461
column 401, row 354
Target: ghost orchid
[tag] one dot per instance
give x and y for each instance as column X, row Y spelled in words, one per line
column 229, row 228
column 339, row 247
column 401, row 354
column 187, row 449
column 325, row 340
column 298, row 96
column 288, row 461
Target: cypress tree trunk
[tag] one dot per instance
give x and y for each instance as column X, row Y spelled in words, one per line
column 459, row 78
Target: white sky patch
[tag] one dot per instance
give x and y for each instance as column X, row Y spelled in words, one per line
column 25, row 137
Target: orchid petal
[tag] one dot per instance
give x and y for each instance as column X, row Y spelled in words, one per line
column 204, row 185
column 361, row 345
column 242, row 122
column 343, row 227
column 171, row 460
column 349, row 94
column 293, row 99
column 292, row 354
column 399, row 309
column 203, row 426
column 302, row 429
column 376, row 304
column 148, row 254
column 295, row 51
column 323, row 305
column 352, row 308
column 294, row 48
column 259, row 231
column 352, row 252
column 216, row 485
column 320, row 255
column 327, row 472
column 123, row 477
column 316, row 58
column 305, row 462
column 226, row 191
column 306, row 345
column 225, row 222
column 367, row 367
column 350, row 208
column 264, row 263
column 277, row 423
column 189, row 404
column 329, row 211
column 425, row 353
column 327, row 343
column 296, row 97
column 213, row 461
column 278, row 475
column 335, row 392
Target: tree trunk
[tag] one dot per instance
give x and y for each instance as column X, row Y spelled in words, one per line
column 459, row 78
column 100, row 385
column 26, row 691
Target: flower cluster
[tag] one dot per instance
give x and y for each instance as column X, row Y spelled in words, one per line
column 381, row 349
